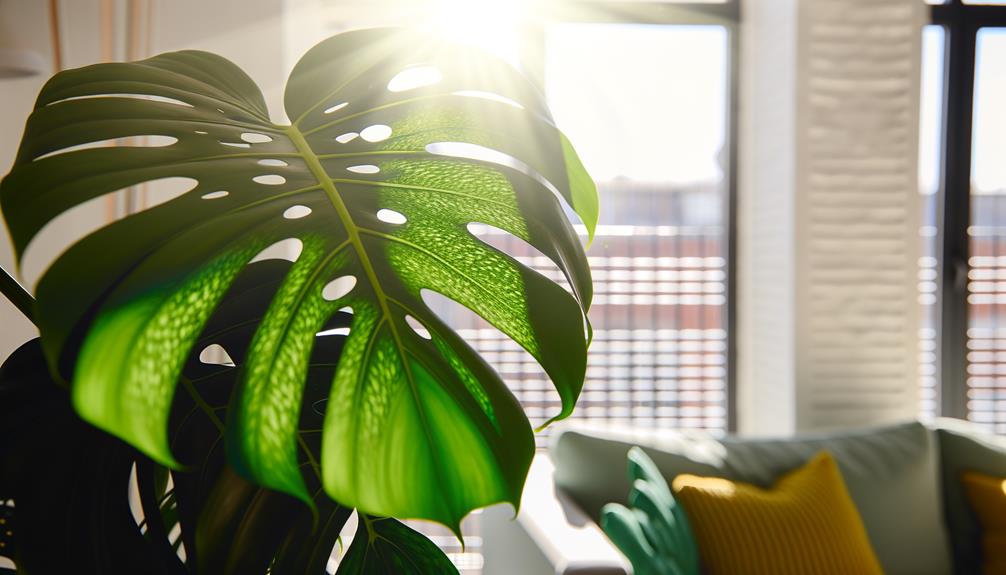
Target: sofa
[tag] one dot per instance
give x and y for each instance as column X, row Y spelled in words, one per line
column 904, row 480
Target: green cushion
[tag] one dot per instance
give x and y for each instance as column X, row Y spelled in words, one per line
column 964, row 448
column 891, row 474
column 653, row 532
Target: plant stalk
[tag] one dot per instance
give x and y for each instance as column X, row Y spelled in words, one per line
column 17, row 295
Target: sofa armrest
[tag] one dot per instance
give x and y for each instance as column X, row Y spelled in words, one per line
column 550, row 535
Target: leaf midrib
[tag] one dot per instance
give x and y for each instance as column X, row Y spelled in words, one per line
column 353, row 233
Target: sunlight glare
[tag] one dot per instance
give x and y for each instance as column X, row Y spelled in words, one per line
column 492, row 25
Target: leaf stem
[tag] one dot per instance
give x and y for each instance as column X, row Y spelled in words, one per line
column 17, row 295
column 205, row 407
column 310, row 457
column 371, row 532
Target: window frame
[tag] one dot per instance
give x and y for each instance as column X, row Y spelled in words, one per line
column 961, row 23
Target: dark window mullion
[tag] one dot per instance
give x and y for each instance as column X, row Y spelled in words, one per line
column 730, row 321
column 955, row 201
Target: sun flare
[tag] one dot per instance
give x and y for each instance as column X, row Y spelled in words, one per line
column 493, row 25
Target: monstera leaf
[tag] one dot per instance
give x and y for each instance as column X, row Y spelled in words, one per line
column 397, row 143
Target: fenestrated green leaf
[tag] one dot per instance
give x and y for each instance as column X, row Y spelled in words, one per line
column 415, row 427
column 383, row 546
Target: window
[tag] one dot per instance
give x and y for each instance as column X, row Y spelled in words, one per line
column 966, row 47
column 654, row 136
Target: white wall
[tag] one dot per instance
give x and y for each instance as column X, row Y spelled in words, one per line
column 829, row 211
column 249, row 33
column 22, row 24
column 766, row 205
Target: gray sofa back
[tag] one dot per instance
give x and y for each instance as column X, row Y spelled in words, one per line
column 892, row 474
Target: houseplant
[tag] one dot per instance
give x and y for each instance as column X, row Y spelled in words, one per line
column 397, row 143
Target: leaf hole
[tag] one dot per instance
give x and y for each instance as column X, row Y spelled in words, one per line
column 243, row 145
column 201, row 132
column 272, row 163
column 474, row 152
column 215, row 354
column 133, row 497
column 336, row 107
column 338, row 288
column 141, row 141
column 255, row 138
column 376, row 133
column 288, row 249
column 215, row 195
column 346, row 138
column 418, row 327
column 296, row 212
column 150, row 97
column 333, row 331
column 269, row 179
column 364, row 169
column 391, row 217
column 173, row 536
column 415, row 77
column 488, row 96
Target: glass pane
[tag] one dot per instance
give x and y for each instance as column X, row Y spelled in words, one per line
column 930, row 120
column 653, row 137
column 986, row 380
column 632, row 118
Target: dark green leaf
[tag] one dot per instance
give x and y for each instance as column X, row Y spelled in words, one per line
column 68, row 481
column 228, row 524
column 384, row 546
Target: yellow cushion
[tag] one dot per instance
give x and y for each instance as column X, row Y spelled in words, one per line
column 987, row 496
column 806, row 524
